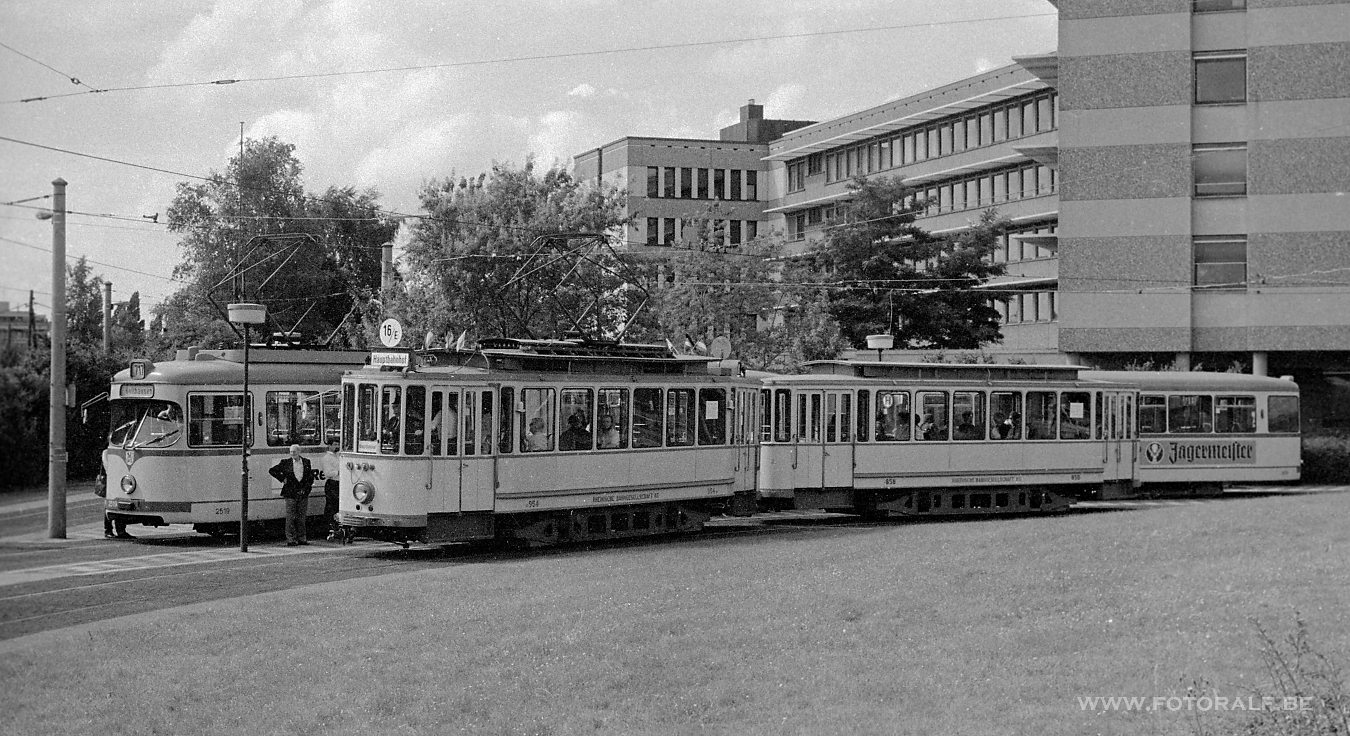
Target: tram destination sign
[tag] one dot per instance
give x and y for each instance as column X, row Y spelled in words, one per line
column 1200, row 453
column 382, row 359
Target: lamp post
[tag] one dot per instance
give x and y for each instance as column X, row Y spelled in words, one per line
column 245, row 314
column 880, row 343
column 56, row 451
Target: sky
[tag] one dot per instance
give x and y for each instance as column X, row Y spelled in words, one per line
column 390, row 94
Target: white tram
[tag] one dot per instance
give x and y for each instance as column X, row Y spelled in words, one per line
column 544, row 441
column 1199, row 431
column 922, row 439
column 175, row 427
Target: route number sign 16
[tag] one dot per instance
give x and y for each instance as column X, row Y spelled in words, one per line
column 391, row 332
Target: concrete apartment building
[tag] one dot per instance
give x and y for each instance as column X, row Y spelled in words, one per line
column 1177, row 176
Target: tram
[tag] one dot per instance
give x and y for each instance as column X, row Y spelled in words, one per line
column 1198, row 432
column 544, row 441
column 176, row 428
column 922, row 439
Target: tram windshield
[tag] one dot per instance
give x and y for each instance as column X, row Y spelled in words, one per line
column 144, row 423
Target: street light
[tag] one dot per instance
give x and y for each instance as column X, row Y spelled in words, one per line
column 880, row 343
column 245, row 314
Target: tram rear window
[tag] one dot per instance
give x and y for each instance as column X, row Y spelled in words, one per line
column 1284, row 414
column 216, row 420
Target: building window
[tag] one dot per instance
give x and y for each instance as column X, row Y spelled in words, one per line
column 751, row 229
column 751, row 186
column 668, row 190
column 1221, row 261
column 1214, row 6
column 735, row 185
column 687, row 183
column 653, row 231
column 1221, row 78
column 814, row 163
column 702, row 183
column 719, row 183
column 1220, row 170
column 653, row 181
column 796, row 179
column 735, row 234
column 667, row 231
column 798, row 222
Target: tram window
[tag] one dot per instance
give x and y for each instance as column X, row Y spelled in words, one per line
column 1190, row 413
column 1006, row 415
column 893, row 414
column 391, row 400
column 801, row 417
column 846, row 417
column 1075, row 420
column 933, row 419
column 1235, row 414
column 450, row 422
column 864, row 415
column 348, row 416
column 485, row 424
column 1152, row 414
column 766, row 415
column 1041, row 415
column 536, row 420
column 1283, row 412
column 470, row 419
column 832, row 417
column 680, row 417
column 712, row 416
column 143, row 423
column 504, row 409
column 611, row 419
column 782, row 415
column 575, row 413
column 437, row 418
column 214, row 420
column 648, row 417
column 367, row 412
column 414, row 433
column 292, row 418
column 813, row 427
column 968, row 406
column 332, row 417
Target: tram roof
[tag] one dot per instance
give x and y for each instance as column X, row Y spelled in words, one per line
column 563, row 356
column 266, row 365
column 943, row 371
column 1192, row 381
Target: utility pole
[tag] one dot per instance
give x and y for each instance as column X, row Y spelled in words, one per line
column 386, row 268
column 56, row 459
column 107, row 317
column 32, row 322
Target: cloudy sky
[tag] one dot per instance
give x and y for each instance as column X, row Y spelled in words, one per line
column 389, row 94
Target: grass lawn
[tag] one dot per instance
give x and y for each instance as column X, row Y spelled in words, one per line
column 975, row 627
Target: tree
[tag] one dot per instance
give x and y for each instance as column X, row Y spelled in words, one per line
column 740, row 292
column 891, row 276
column 252, row 232
column 517, row 254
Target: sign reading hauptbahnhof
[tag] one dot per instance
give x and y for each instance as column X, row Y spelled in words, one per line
column 1200, row 453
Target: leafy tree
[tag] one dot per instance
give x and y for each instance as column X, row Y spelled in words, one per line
column 252, row 232
column 894, row 277
column 740, row 292
column 516, row 253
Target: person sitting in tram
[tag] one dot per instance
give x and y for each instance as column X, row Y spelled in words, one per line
column 966, row 429
column 575, row 437
column 1001, row 427
column 927, row 428
column 536, row 440
column 607, row 435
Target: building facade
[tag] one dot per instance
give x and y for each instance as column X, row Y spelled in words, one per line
column 16, row 330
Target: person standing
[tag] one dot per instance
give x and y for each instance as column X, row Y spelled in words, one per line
column 297, row 480
column 332, row 469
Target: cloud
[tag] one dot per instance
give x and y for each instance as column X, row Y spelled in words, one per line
column 582, row 90
column 786, row 102
column 560, row 134
column 983, row 65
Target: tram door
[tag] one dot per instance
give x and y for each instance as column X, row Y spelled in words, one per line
column 1117, row 425
column 445, row 449
column 478, row 463
column 837, row 463
column 808, row 411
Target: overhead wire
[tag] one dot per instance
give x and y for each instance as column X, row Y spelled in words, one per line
column 73, row 79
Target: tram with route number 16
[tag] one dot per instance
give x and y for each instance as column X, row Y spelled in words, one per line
column 173, row 454
column 544, row 441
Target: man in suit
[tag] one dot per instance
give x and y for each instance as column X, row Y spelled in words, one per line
column 297, row 480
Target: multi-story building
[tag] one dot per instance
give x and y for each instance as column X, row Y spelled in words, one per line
column 674, row 184
column 1175, row 174
column 1204, row 150
column 15, row 328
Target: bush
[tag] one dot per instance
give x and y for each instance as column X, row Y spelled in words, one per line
column 1326, row 457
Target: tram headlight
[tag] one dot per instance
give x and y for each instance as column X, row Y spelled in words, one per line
column 128, row 484
column 363, row 491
